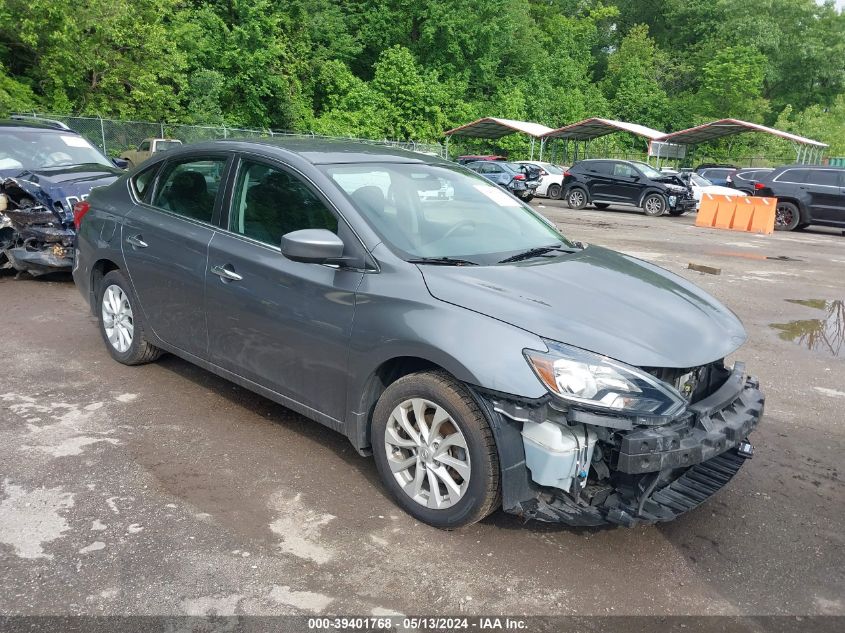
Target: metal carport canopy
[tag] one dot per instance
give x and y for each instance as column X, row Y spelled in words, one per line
column 595, row 127
column 493, row 128
column 806, row 148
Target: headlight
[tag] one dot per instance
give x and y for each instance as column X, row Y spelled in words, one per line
column 598, row 382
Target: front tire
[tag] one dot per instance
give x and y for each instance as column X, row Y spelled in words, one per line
column 787, row 217
column 654, row 205
column 528, row 198
column 576, row 199
column 120, row 326
column 434, row 450
column 553, row 192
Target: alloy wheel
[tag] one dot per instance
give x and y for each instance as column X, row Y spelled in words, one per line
column 653, row 206
column 576, row 199
column 427, row 453
column 118, row 321
column 784, row 216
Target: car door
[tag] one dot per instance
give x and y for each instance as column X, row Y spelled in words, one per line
column 598, row 180
column 282, row 324
column 165, row 247
column 496, row 173
column 826, row 194
column 629, row 183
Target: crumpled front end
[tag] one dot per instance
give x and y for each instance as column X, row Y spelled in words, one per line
column 566, row 464
column 36, row 235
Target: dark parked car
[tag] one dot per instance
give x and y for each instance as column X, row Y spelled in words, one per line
column 520, row 181
column 603, row 182
column 717, row 174
column 481, row 357
column 45, row 168
column 744, row 179
column 807, row 194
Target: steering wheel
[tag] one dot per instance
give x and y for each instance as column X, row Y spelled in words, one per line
column 457, row 227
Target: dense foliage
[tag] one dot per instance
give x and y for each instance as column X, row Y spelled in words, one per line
column 408, row 69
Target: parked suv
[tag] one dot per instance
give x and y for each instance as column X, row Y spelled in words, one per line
column 718, row 174
column 521, row 181
column 807, row 194
column 481, row 357
column 45, row 169
column 603, row 182
column 744, row 179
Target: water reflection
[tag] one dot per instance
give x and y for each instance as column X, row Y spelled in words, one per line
column 826, row 334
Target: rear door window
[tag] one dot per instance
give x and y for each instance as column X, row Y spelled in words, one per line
column 824, row 177
column 189, row 188
column 796, row 176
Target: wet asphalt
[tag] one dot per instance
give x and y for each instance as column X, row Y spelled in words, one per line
column 163, row 489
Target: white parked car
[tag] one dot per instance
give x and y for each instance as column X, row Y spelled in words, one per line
column 551, row 178
column 700, row 185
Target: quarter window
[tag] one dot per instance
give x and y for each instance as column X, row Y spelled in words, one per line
column 189, row 188
column 270, row 203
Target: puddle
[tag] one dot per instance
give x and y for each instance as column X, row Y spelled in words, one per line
column 825, row 334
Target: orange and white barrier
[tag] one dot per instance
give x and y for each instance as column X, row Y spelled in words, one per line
column 737, row 213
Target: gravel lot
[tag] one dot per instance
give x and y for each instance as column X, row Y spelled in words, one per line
column 163, row 489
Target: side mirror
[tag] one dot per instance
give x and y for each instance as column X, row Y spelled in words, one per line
column 312, row 246
column 634, row 177
column 120, row 163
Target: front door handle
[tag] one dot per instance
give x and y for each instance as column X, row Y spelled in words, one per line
column 136, row 241
column 225, row 273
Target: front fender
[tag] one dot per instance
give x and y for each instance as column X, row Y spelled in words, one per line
column 396, row 317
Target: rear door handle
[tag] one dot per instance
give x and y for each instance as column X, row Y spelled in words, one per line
column 226, row 273
column 136, row 241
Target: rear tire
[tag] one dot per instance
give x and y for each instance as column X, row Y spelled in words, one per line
column 576, row 198
column 654, row 205
column 528, row 198
column 450, row 460
column 553, row 192
column 120, row 324
column 787, row 217
column 601, row 205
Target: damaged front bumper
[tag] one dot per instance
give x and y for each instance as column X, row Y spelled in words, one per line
column 635, row 473
column 33, row 238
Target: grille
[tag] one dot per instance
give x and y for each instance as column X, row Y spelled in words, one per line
column 694, row 383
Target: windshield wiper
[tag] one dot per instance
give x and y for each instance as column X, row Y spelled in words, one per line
column 535, row 252
column 442, row 261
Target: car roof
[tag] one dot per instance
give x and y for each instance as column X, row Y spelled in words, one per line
column 317, row 151
column 35, row 124
column 811, row 167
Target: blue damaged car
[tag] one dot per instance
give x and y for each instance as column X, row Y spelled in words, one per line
column 45, row 169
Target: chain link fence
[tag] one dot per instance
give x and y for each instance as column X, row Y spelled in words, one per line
column 115, row 136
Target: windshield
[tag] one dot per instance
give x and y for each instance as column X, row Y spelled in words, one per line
column 701, row 181
column 437, row 211
column 648, row 170
column 32, row 150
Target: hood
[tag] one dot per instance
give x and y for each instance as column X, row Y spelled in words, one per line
column 65, row 184
column 601, row 301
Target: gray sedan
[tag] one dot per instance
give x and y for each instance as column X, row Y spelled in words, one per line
column 438, row 322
